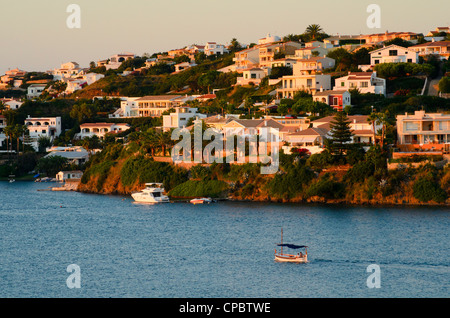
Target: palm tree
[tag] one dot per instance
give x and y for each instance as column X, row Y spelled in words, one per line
column 313, row 30
column 18, row 131
column 8, row 131
column 382, row 119
column 373, row 117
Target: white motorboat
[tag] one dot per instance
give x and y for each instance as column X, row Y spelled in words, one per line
column 290, row 258
column 152, row 193
column 201, row 200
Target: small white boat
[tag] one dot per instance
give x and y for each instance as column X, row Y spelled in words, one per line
column 152, row 193
column 201, row 200
column 291, row 258
column 11, row 178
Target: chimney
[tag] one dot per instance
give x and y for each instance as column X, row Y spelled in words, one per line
column 321, row 88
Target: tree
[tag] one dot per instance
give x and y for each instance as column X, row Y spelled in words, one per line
column 43, row 143
column 372, row 120
column 313, row 30
column 51, row 165
column 444, row 85
column 234, row 45
column 341, row 134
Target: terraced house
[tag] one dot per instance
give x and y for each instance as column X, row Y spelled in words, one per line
column 422, row 131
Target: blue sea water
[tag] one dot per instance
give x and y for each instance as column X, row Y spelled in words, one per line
column 220, row 250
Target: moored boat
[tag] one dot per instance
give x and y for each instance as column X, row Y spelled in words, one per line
column 291, row 258
column 152, row 193
column 201, row 200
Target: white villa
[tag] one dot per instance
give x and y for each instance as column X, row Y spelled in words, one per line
column 212, row 48
column 365, row 82
column 252, row 75
column 101, row 129
column 67, row 70
column 43, row 127
column 425, row 131
column 393, row 54
column 440, row 48
column 313, row 65
column 180, row 117
column 35, row 90
column 11, row 103
column 310, row 83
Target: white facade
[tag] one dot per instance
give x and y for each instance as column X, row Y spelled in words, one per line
column 43, row 127
column 365, row 82
column 116, row 60
column 180, row 117
column 11, row 103
column 67, row 70
column 393, row 54
column 35, row 90
column 269, row 39
column 309, row 83
column 253, row 75
column 313, row 65
column 212, row 48
column 101, row 129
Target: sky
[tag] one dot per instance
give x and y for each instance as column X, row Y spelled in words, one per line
column 35, row 36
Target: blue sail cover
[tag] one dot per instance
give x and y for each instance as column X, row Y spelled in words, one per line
column 292, row 246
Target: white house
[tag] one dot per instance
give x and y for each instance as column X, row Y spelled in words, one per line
column 35, row 90
column 69, row 69
column 361, row 128
column 116, row 60
column 292, row 84
column 393, row 54
column 65, row 175
column 183, row 66
column 212, row 48
column 269, row 39
column 43, row 127
column 313, row 65
column 252, row 75
column 365, row 82
column 101, row 129
column 75, row 155
column 11, row 103
column 180, row 117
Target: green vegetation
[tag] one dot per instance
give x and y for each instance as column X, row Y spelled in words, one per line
column 194, row 188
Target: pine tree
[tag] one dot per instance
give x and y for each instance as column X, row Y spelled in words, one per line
column 341, row 134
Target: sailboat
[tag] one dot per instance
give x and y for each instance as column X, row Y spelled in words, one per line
column 291, row 258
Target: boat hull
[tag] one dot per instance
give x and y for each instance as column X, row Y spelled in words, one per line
column 291, row 258
column 138, row 197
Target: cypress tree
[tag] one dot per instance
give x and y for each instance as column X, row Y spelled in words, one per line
column 341, row 134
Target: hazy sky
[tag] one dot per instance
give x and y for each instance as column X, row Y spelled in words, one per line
column 35, row 36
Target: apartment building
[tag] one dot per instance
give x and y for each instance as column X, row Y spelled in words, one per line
column 424, row 131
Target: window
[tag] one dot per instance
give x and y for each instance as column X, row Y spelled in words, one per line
column 409, row 60
column 364, row 84
column 393, row 52
column 377, row 62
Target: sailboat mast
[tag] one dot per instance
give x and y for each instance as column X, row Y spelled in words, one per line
column 281, row 240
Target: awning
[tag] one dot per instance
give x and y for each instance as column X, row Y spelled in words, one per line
column 292, row 246
column 305, row 138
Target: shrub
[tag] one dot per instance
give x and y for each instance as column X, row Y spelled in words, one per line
column 193, row 188
column 426, row 189
column 327, row 188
